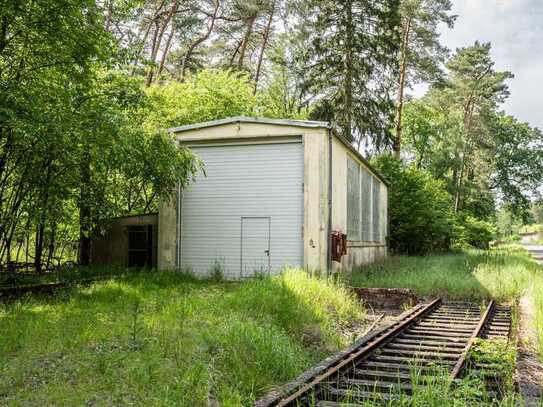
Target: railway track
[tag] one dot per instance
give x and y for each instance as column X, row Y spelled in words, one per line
column 11, row 293
column 432, row 338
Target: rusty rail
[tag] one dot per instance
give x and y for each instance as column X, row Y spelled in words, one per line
column 10, row 293
column 430, row 334
column 476, row 333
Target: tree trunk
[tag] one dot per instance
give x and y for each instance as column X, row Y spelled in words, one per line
column 154, row 50
column 40, row 232
column 264, row 45
column 144, row 40
column 468, row 113
column 51, row 249
column 157, row 40
column 397, row 145
column 235, row 53
column 84, row 240
column 201, row 39
column 39, row 246
column 20, row 246
column 140, row 51
column 348, row 83
column 246, row 38
column 85, row 214
column 458, row 193
column 165, row 53
column 109, row 14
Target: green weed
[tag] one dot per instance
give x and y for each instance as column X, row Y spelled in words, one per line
column 502, row 274
column 165, row 338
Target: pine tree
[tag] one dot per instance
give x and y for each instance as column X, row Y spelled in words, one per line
column 421, row 53
column 350, row 58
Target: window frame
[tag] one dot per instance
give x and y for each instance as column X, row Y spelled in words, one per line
column 369, row 206
column 358, row 198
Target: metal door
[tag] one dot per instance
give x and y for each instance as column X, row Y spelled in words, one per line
column 255, row 246
column 140, row 245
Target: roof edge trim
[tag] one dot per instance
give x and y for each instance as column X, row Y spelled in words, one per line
column 364, row 160
column 246, row 119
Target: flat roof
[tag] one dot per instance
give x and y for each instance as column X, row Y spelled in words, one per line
column 246, row 119
column 281, row 122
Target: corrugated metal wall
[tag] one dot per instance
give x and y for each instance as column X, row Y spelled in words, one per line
column 259, row 182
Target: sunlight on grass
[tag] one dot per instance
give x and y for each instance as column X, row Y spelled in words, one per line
column 166, row 338
column 501, row 274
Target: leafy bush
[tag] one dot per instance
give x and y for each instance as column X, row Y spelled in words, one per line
column 475, row 232
column 420, row 214
column 208, row 95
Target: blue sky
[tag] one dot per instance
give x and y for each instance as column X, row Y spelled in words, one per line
column 515, row 29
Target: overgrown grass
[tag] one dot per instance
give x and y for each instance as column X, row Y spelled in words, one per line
column 159, row 338
column 168, row 339
column 501, row 273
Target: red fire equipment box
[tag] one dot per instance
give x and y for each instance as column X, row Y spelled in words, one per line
column 338, row 243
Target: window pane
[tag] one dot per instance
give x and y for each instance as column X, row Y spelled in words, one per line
column 366, row 205
column 353, row 200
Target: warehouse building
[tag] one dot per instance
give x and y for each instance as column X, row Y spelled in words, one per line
column 272, row 194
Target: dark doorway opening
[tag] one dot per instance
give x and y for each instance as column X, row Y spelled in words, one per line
column 140, row 246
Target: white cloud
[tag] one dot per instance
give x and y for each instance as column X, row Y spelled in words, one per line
column 515, row 29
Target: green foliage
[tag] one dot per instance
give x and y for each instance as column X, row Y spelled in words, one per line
column 49, row 52
column 499, row 353
column 165, row 338
column 537, row 298
column 280, row 96
column 507, row 224
column 420, row 213
column 474, row 232
column 73, row 145
column 207, row 95
column 348, row 50
column 458, row 134
column 424, row 52
column 517, row 155
column 424, row 129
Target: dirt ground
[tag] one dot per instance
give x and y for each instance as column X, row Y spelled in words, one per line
column 529, row 371
column 383, row 305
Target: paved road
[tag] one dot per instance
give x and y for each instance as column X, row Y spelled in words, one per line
column 536, row 251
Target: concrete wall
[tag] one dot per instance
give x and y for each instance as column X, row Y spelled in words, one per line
column 358, row 252
column 167, row 233
column 315, row 142
column 110, row 244
column 315, row 199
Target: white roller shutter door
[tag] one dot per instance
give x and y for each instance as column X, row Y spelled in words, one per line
column 245, row 215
